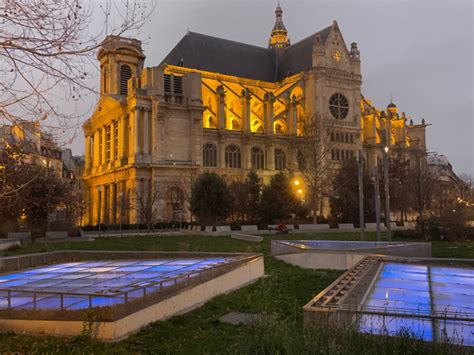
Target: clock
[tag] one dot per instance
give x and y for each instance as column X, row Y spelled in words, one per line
column 336, row 55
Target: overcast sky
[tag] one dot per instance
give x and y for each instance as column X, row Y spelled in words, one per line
column 419, row 51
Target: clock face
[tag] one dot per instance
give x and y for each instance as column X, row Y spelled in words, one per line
column 336, row 55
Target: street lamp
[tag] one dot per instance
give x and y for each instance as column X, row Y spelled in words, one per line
column 296, row 182
column 99, row 189
column 387, row 193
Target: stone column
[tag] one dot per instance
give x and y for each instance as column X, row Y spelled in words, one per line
column 270, row 156
column 389, row 132
column 136, row 132
column 247, row 153
column 221, row 152
column 145, row 131
column 123, row 132
column 292, row 117
column 269, row 99
column 246, row 110
column 374, row 130
column 88, row 154
column 221, row 107
column 102, row 137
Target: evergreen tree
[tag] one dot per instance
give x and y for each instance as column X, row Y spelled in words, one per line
column 210, row 198
column 254, row 194
column 278, row 201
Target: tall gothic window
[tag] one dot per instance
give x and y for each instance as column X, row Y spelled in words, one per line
column 100, row 145
column 125, row 74
column 339, row 106
column 116, row 139
column 232, row 157
column 107, row 143
column 258, row 158
column 280, row 159
column 209, row 155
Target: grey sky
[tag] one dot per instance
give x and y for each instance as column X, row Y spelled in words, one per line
column 419, row 51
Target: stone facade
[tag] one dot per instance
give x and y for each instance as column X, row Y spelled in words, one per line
column 154, row 129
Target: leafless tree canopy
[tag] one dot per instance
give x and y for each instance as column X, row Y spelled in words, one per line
column 47, row 52
column 313, row 151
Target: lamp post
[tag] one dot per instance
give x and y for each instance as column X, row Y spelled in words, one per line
column 361, row 195
column 121, row 210
column 387, row 193
column 377, row 201
column 100, row 204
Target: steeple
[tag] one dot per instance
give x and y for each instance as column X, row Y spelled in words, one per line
column 279, row 36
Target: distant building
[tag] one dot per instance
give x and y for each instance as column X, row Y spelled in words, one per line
column 449, row 187
column 229, row 107
column 39, row 147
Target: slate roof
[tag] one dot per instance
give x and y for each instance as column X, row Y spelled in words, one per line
column 223, row 56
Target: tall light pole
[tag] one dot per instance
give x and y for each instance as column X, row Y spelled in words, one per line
column 121, row 210
column 377, row 201
column 100, row 204
column 361, row 195
column 387, row 193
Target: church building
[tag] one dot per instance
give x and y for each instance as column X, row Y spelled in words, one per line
column 218, row 105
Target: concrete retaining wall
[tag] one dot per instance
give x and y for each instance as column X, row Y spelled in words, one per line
column 323, row 260
column 313, row 227
column 181, row 302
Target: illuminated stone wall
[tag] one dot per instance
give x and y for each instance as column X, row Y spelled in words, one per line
column 155, row 129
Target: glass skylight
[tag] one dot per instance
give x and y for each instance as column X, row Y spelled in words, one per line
column 80, row 285
column 428, row 302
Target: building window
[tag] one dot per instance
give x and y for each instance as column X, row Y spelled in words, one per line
column 178, row 85
column 333, row 138
column 107, row 143
column 280, row 160
column 125, row 74
column 232, row 157
column 209, row 155
column 339, row 106
column 352, row 138
column 333, row 154
column 258, row 158
column 167, row 83
column 116, row 140
column 100, row 146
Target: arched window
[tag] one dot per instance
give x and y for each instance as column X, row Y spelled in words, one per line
column 235, row 125
column 232, row 157
column 258, row 158
column 125, row 74
column 280, row 160
column 211, row 122
column 209, row 155
column 174, row 202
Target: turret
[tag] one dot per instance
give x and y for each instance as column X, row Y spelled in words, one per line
column 354, row 56
column 120, row 59
column 279, row 36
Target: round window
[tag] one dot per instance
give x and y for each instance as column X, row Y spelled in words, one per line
column 339, row 106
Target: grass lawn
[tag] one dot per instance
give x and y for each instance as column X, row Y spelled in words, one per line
column 281, row 294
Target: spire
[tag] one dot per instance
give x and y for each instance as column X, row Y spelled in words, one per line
column 279, row 36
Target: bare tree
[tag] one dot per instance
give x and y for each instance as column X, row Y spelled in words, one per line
column 145, row 204
column 47, row 52
column 313, row 152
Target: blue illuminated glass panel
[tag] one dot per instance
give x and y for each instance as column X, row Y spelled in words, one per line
column 440, row 292
column 98, row 279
